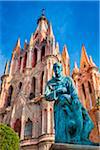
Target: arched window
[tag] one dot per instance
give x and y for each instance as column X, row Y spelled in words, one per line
column 33, row 86
column 20, row 85
column 10, row 91
column 41, row 85
column 17, row 126
column 28, row 129
column 42, row 52
column 83, row 88
column 89, row 85
column 34, row 58
column 25, row 61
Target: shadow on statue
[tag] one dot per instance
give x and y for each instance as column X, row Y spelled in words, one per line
column 72, row 122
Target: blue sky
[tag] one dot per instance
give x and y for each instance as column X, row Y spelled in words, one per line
column 74, row 24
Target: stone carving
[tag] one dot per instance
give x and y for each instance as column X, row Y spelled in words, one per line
column 72, row 122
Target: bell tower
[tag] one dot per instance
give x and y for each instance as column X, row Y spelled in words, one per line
column 87, row 80
column 22, row 103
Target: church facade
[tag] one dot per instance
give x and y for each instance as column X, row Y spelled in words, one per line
column 22, row 103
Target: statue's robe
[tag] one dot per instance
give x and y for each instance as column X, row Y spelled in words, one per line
column 71, row 120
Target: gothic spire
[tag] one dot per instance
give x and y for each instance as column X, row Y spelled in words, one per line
column 56, row 52
column 31, row 40
column 76, row 69
column 51, row 30
column 25, row 44
column 18, row 46
column 57, row 48
column 65, row 54
column 84, row 58
column 6, row 71
column 66, row 61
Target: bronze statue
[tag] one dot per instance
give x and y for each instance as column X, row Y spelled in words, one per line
column 72, row 122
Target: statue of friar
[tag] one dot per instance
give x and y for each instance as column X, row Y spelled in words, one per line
column 71, row 120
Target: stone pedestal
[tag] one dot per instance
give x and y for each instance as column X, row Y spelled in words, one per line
column 72, row 147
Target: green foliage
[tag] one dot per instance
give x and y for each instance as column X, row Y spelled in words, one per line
column 9, row 140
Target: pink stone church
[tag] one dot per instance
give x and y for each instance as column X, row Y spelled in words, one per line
column 22, row 103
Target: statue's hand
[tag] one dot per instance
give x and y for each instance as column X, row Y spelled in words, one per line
column 61, row 91
column 64, row 99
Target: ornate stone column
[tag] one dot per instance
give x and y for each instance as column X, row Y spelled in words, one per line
column 29, row 59
column 88, row 96
column 48, row 120
column 12, row 117
column 51, row 120
column 21, row 69
column 23, row 121
column 3, row 97
column 43, row 122
column 16, row 66
column 82, row 96
column 34, row 126
column 46, row 77
column 11, row 66
column 94, row 86
column 44, row 117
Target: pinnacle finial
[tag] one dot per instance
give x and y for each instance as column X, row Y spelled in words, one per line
column 18, row 42
column 25, row 44
column 18, row 46
column 91, row 61
column 51, row 30
column 65, row 51
column 25, row 40
column 31, row 40
column 75, row 65
column 43, row 12
column 57, row 47
column 76, row 69
column 84, row 58
column 6, row 71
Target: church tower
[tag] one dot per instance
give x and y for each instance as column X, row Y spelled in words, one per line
column 87, row 81
column 22, row 102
